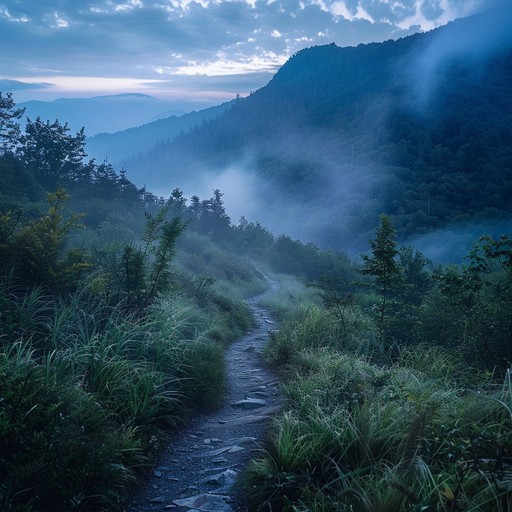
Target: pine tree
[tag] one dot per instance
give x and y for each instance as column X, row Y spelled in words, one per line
column 382, row 266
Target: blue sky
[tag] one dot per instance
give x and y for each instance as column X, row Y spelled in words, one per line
column 199, row 50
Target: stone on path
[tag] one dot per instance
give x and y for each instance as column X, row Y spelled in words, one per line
column 226, row 478
column 159, row 499
column 205, row 503
column 249, row 403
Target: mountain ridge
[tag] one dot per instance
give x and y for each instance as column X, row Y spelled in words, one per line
column 104, row 114
column 117, row 146
column 411, row 127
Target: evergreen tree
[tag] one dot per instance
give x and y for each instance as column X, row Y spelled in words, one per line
column 52, row 153
column 383, row 266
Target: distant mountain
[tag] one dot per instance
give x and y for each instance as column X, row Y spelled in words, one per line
column 103, row 113
column 127, row 143
column 418, row 128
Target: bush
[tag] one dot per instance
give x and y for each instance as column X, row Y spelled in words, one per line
column 59, row 448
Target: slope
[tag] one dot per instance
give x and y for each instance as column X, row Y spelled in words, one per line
column 126, row 143
column 416, row 128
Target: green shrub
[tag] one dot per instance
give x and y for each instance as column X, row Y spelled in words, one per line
column 425, row 433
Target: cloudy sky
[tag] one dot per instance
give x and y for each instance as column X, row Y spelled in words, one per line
column 209, row 50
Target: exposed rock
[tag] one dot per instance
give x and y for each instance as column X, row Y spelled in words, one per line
column 244, row 440
column 226, row 478
column 158, row 499
column 249, row 403
column 257, row 394
column 205, row 503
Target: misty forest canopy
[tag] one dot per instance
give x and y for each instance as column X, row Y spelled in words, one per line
column 418, row 128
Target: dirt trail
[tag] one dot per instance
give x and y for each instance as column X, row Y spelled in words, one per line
column 198, row 470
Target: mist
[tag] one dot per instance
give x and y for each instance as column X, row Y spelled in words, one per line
column 472, row 40
column 320, row 162
column 453, row 243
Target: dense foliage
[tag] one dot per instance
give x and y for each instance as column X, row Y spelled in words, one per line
column 398, row 387
column 411, row 128
column 115, row 304
column 107, row 338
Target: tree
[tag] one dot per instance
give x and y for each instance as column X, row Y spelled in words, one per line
column 130, row 194
column 416, row 281
column 9, row 126
column 52, row 153
column 39, row 253
column 382, row 265
column 177, row 203
column 105, row 181
column 145, row 268
column 214, row 220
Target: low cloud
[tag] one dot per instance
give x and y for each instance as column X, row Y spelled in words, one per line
column 473, row 39
column 17, row 85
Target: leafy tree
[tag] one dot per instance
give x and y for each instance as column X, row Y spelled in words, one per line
column 416, row 280
column 253, row 238
column 54, row 155
column 470, row 308
column 382, row 265
column 177, row 203
column 415, row 283
column 17, row 183
column 9, row 126
column 214, row 219
column 336, row 291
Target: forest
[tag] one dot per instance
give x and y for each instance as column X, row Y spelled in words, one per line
column 116, row 306
column 416, row 128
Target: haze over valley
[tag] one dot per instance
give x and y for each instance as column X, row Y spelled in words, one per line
column 417, row 128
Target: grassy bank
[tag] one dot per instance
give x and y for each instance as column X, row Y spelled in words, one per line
column 89, row 391
column 422, row 432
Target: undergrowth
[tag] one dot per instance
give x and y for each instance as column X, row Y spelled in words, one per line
column 89, row 391
column 369, row 431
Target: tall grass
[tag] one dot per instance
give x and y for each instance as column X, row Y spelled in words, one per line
column 422, row 432
column 235, row 277
column 59, row 447
column 290, row 299
column 86, row 391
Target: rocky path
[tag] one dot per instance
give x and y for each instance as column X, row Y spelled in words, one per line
column 199, row 469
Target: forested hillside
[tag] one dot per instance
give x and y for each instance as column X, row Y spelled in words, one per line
column 116, row 307
column 414, row 128
column 118, row 146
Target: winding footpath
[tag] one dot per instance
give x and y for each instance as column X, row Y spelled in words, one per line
column 199, row 469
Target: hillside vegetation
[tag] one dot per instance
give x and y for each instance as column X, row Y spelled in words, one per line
column 416, row 128
column 120, row 145
column 116, row 306
column 398, row 388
